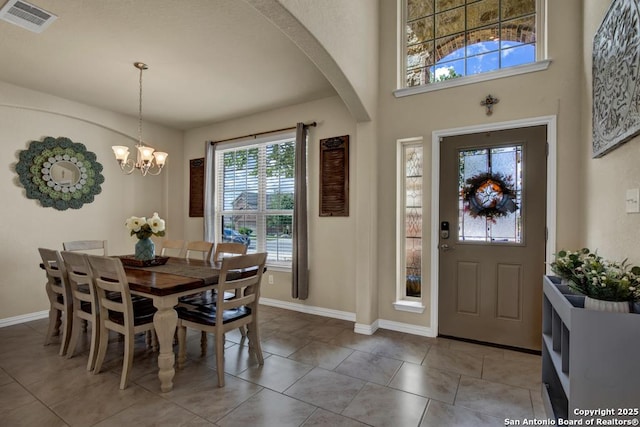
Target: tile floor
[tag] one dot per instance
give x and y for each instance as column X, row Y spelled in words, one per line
column 317, row 372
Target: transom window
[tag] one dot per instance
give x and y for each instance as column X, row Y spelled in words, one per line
column 254, row 197
column 447, row 39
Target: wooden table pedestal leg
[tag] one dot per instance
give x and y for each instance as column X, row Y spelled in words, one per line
column 165, row 321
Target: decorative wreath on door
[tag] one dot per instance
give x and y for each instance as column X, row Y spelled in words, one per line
column 489, row 195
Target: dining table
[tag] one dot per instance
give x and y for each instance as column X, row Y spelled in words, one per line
column 164, row 284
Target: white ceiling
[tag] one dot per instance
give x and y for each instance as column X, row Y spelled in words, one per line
column 209, row 60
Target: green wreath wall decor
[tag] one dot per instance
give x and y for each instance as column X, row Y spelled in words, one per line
column 489, row 195
column 59, row 173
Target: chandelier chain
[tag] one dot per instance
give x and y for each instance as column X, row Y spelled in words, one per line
column 140, row 110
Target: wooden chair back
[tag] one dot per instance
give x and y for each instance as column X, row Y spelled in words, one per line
column 96, row 247
column 85, row 301
column 112, row 289
column 224, row 249
column 241, row 275
column 205, row 249
column 117, row 311
column 172, row 248
column 230, row 282
column 60, row 299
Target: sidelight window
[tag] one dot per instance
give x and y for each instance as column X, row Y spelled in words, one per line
column 410, row 219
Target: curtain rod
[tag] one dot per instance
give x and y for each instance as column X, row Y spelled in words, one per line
column 254, row 135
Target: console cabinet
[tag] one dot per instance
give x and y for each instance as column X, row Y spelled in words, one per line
column 590, row 359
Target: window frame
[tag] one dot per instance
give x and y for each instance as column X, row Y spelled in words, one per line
column 541, row 62
column 261, row 212
column 403, row 301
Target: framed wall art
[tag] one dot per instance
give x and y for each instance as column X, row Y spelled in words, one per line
column 60, row 173
column 616, row 69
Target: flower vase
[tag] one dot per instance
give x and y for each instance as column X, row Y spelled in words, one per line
column 601, row 305
column 145, row 249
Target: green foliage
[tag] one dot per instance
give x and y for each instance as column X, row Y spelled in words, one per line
column 281, row 201
column 451, row 75
column 596, row 277
column 245, row 230
column 280, row 224
column 146, row 232
column 568, row 262
column 279, row 160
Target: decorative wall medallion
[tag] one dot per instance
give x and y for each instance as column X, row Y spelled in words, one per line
column 490, row 195
column 59, row 173
column 616, row 68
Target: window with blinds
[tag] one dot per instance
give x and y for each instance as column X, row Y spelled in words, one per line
column 254, row 196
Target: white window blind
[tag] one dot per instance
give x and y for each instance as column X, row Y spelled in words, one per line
column 254, row 195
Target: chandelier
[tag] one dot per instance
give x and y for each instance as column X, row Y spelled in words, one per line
column 148, row 161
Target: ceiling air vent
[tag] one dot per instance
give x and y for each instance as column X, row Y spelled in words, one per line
column 26, row 15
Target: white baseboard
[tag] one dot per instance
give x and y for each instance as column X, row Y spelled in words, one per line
column 320, row 311
column 363, row 328
column 407, row 328
column 9, row 321
column 359, row 328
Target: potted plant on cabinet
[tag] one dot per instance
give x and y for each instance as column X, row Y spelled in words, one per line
column 606, row 285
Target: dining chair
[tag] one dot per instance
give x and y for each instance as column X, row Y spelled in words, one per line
column 224, row 249
column 96, row 247
column 175, row 247
column 206, row 249
column 89, row 246
column 227, row 314
column 199, row 246
column 228, row 248
column 117, row 314
column 85, row 302
column 60, row 299
column 221, row 249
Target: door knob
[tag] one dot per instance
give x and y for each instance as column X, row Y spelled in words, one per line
column 445, row 247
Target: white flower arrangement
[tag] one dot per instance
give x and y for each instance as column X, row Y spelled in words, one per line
column 143, row 228
column 597, row 277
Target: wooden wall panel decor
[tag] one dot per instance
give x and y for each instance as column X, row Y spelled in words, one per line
column 196, row 187
column 334, row 176
column 616, row 77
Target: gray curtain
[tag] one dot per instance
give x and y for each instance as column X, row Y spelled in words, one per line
column 300, row 262
column 209, row 192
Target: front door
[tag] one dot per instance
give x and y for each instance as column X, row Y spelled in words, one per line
column 493, row 236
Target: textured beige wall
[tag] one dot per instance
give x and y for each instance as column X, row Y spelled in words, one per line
column 556, row 91
column 590, row 193
column 348, row 30
column 609, row 229
column 332, row 240
column 26, row 116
